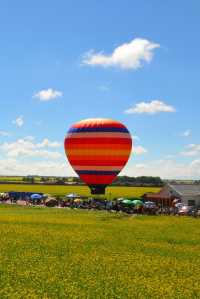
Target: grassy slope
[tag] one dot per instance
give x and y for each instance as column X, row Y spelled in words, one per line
column 56, row 253
column 111, row 192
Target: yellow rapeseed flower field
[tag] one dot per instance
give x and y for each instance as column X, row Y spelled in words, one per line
column 59, row 253
column 111, row 192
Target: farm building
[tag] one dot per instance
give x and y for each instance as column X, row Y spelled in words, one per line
column 189, row 194
column 163, row 197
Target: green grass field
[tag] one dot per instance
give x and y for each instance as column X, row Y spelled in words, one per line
column 111, row 192
column 56, row 253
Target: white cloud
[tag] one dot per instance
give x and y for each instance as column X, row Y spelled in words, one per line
column 27, row 148
column 139, row 150
column 48, row 94
column 19, row 121
column 31, row 138
column 12, row 166
column 135, row 137
column 192, row 150
column 186, row 133
column 166, row 169
column 47, row 143
column 152, row 107
column 4, row 133
column 126, row 56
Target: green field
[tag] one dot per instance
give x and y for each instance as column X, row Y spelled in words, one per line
column 57, row 253
column 111, row 192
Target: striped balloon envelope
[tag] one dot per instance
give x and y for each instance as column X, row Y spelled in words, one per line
column 98, row 149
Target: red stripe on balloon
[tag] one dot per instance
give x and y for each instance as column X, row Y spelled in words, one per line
column 106, row 162
column 97, row 140
column 97, row 179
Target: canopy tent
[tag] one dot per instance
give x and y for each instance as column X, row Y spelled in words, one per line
column 137, row 202
column 78, row 200
column 36, row 196
column 72, row 196
column 128, row 202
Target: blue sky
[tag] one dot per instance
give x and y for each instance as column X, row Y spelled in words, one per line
column 63, row 61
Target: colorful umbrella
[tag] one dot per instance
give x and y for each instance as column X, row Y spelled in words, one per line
column 36, row 196
column 137, row 202
column 128, row 202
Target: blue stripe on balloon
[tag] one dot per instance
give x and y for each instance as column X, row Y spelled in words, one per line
column 98, row 129
column 97, row 172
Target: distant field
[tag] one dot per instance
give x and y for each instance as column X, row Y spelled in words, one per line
column 16, row 179
column 11, row 179
column 57, row 253
column 111, row 192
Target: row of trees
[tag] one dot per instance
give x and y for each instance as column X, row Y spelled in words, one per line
column 120, row 181
column 138, row 181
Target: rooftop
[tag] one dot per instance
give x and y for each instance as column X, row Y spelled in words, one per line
column 186, row 189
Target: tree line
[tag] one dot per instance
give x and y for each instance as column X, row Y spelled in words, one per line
column 119, row 181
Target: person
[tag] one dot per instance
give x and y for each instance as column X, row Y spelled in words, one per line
column 109, row 205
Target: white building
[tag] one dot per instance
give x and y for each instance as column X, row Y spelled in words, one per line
column 188, row 193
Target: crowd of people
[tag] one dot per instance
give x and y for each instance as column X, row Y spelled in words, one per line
column 74, row 201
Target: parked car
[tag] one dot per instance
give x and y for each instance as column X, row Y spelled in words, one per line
column 187, row 210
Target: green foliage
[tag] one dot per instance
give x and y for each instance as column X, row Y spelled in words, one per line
column 138, row 181
column 56, row 253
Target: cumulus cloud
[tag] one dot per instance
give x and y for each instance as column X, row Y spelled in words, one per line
column 166, row 169
column 126, row 56
column 12, row 166
column 29, row 137
column 27, row 148
column 47, row 143
column 152, row 107
column 191, row 150
column 19, row 121
column 139, row 150
column 186, row 133
column 48, row 94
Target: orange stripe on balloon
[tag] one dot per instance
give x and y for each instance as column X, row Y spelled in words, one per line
column 97, row 152
column 98, row 123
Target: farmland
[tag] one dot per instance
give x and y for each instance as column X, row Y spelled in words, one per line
column 111, row 192
column 59, row 253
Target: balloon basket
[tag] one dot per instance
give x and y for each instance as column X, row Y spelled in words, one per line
column 97, row 189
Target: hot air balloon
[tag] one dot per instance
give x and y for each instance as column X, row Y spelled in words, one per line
column 98, row 149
